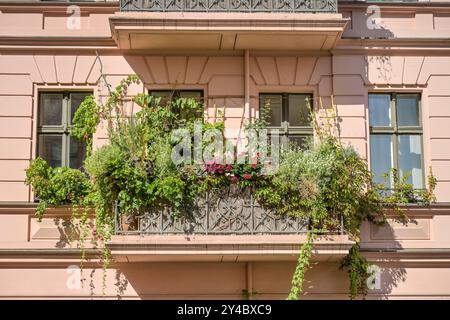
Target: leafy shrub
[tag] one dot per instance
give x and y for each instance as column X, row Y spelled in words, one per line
column 56, row 186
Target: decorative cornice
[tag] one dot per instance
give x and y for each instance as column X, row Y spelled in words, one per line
column 57, row 41
column 393, row 46
column 53, row 44
column 392, row 257
column 55, row 257
column 30, row 209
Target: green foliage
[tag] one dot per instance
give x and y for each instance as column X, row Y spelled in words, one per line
column 302, row 266
column 403, row 192
column 323, row 183
column 357, row 268
column 85, row 121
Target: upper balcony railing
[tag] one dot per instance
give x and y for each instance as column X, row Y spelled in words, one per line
column 292, row 6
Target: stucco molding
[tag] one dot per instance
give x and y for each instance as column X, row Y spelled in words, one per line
column 52, row 42
column 22, row 207
column 392, row 47
column 225, row 248
column 58, row 7
column 411, row 257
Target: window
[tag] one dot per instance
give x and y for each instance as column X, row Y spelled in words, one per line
column 55, row 144
column 396, row 137
column 290, row 113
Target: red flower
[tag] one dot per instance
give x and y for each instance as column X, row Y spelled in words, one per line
column 247, row 176
column 234, row 179
column 254, row 165
column 229, row 167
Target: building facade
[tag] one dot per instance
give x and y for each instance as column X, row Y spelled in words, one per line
column 386, row 66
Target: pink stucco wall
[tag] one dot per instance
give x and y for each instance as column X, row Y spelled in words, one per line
column 418, row 61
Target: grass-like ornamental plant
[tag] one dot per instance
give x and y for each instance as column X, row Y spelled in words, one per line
column 327, row 183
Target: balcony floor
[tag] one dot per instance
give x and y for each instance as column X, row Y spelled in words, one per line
column 224, row 248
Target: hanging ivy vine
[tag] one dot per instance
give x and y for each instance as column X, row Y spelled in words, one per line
column 326, row 183
column 303, row 262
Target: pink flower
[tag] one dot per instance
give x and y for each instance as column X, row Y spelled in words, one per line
column 234, row 179
column 247, row 176
column 254, row 166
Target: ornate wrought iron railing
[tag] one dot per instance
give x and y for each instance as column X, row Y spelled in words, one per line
column 230, row 5
column 231, row 213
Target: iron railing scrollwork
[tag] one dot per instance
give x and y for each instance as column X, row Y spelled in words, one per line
column 231, row 213
column 294, row 6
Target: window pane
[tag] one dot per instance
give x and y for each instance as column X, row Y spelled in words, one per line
column 50, row 109
column 408, row 110
column 381, row 160
column 299, row 114
column 162, row 93
column 75, row 100
column 275, row 104
column 410, row 159
column 380, row 110
column 50, row 148
column 77, row 153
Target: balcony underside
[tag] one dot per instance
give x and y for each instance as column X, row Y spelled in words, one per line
column 217, row 248
column 141, row 31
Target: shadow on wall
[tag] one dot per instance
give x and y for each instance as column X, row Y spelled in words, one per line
column 372, row 27
column 69, row 231
column 392, row 273
column 392, row 276
column 121, row 284
column 379, row 70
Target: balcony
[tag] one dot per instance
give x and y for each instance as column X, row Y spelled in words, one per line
column 292, row 6
column 291, row 25
column 230, row 227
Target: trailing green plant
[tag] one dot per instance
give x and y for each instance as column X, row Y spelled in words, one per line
column 85, row 121
column 357, row 268
column 303, row 263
